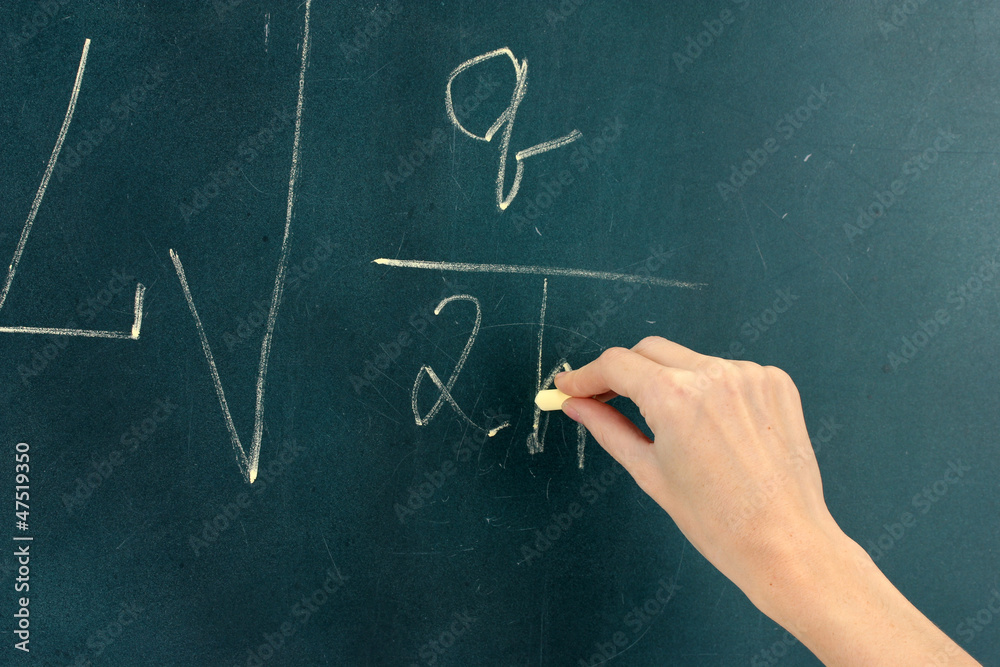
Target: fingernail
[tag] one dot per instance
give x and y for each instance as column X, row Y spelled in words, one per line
column 560, row 374
column 570, row 412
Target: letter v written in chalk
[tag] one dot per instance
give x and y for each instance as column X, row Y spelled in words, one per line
column 248, row 461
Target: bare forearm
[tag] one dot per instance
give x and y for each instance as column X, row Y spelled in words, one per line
column 841, row 606
column 733, row 465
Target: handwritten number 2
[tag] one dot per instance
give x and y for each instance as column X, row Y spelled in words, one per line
column 445, row 388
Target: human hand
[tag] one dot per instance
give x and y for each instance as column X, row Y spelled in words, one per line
column 731, row 461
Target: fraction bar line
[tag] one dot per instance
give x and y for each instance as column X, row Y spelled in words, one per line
column 84, row 333
column 536, row 271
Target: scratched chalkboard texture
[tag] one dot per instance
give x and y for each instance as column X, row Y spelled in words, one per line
column 195, row 193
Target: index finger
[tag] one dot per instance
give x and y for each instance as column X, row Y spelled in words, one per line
column 620, row 370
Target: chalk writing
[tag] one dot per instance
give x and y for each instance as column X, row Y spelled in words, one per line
column 248, row 462
column 140, row 290
column 505, row 120
column 445, row 388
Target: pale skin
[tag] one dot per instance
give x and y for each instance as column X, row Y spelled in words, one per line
column 732, row 464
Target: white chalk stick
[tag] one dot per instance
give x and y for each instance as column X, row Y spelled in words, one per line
column 550, row 399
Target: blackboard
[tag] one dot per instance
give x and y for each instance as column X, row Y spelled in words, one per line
column 197, row 191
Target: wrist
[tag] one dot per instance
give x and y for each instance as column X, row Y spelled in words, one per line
column 806, row 570
column 827, row 591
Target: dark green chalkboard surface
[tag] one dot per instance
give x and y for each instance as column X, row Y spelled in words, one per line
column 335, row 247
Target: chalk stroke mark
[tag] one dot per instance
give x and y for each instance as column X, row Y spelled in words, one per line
column 140, row 290
column 535, row 444
column 541, row 333
column 249, row 464
column 140, row 295
column 506, row 120
column 241, row 457
column 536, row 271
column 536, row 439
column 445, row 389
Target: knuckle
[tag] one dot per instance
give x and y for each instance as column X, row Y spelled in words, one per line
column 725, row 375
column 778, row 377
column 776, row 373
column 732, row 383
column 614, row 355
column 658, row 390
column 647, row 343
column 719, row 369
